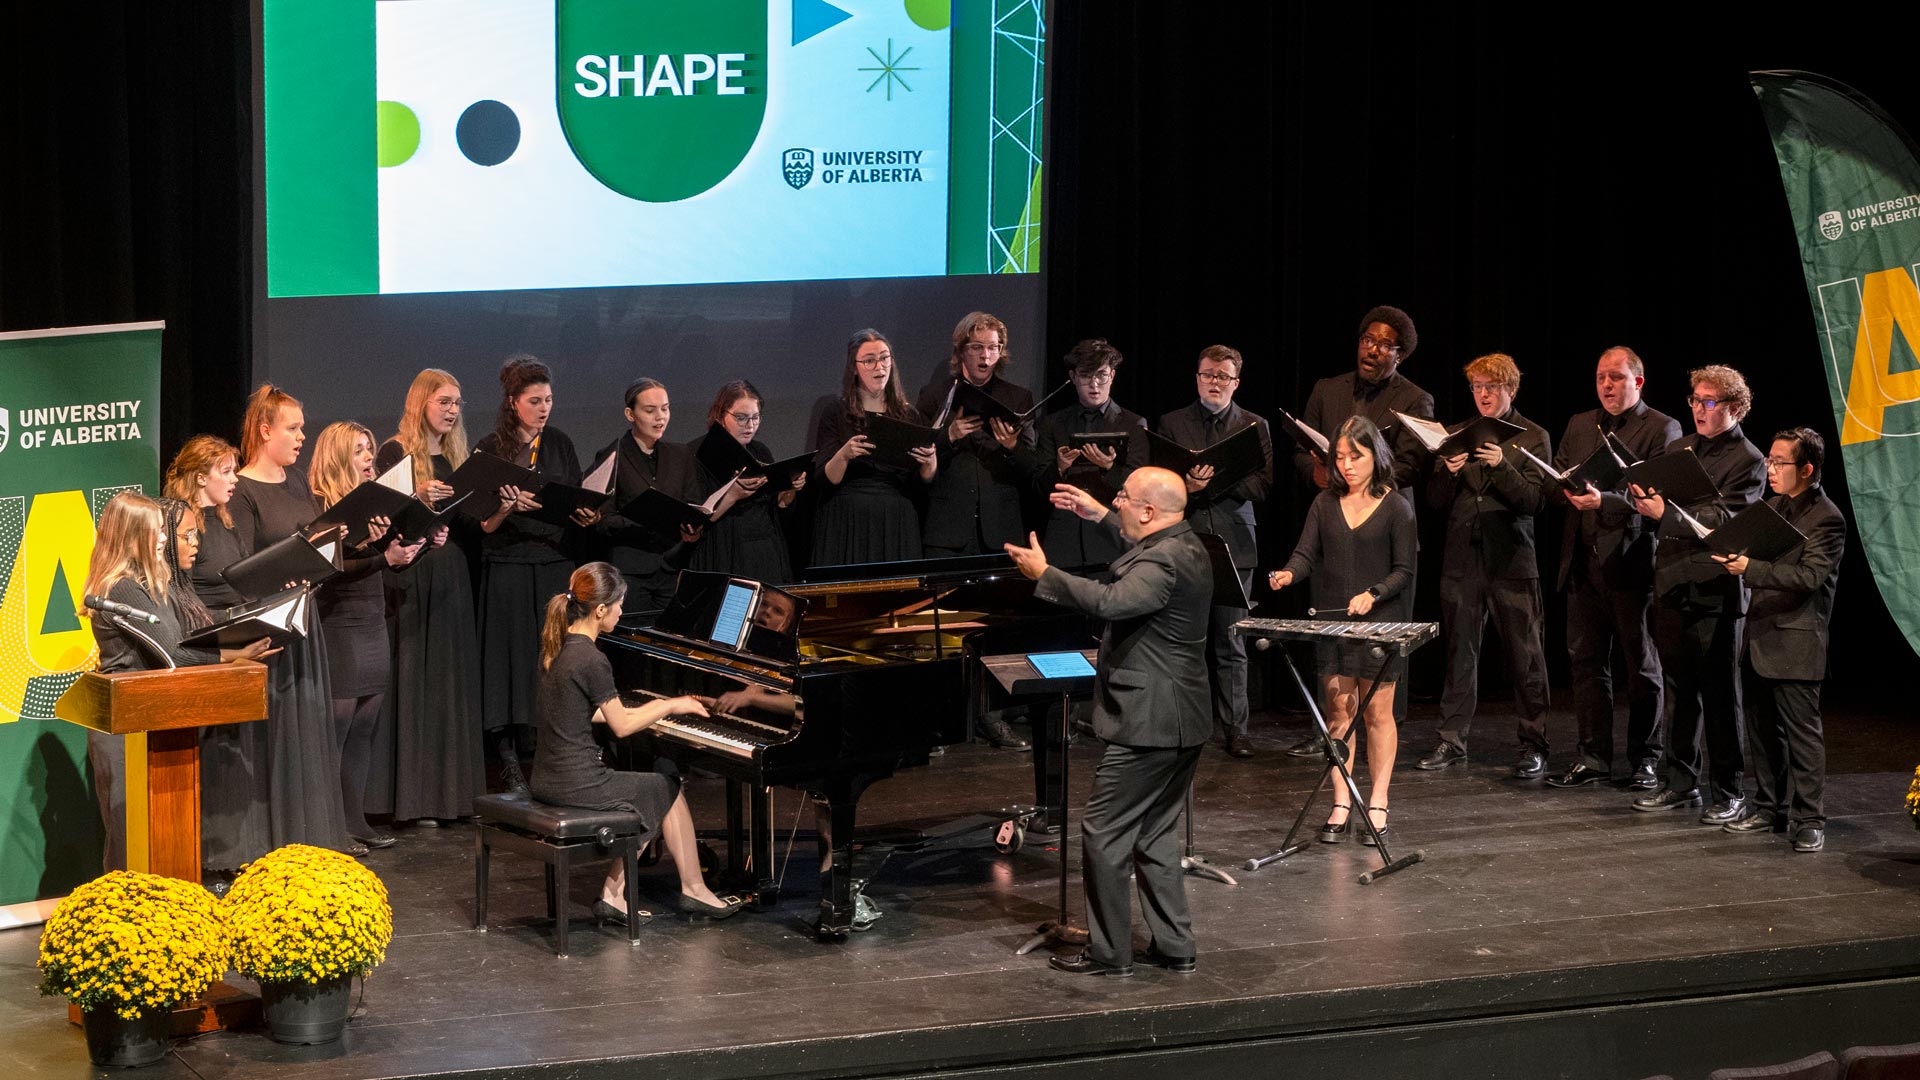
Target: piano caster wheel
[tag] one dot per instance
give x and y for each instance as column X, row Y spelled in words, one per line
column 1011, row 837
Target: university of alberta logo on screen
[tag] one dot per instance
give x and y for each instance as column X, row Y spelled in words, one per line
column 797, row 166
column 6, row 429
column 1830, row 225
column 661, row 101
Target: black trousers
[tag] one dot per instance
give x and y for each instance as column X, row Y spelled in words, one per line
column 354, row 723
column 1788, row 747
column 1700, row 660
column 1596, row 618
column 1227, row 664
column 1129, row 826
column 1467, row 601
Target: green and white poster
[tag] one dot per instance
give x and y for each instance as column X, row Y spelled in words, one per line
column 78, row 411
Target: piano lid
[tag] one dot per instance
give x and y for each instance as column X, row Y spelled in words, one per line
column 735, row 613
column 907, row 573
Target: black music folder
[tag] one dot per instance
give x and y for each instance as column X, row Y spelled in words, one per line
column 1758, row 532
column 665, row 513
column 295, row 559
column 1233, row 458
column 970, row 399
column 1305, row 437
column 1464, row 438
column 282, row 618
column 894, row 439
column 1604, row 469
column 1675, row 476
column 723, row 456
column 1112, row 442
column 478, row 480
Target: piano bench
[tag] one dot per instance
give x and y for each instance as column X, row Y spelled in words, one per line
column 557, row 836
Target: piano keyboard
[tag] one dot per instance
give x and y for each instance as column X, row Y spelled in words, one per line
column 725, row 732
column 1402, row 637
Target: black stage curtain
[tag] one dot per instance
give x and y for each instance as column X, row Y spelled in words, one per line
column 1260, row 175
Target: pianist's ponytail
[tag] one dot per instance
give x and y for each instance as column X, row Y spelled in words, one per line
column 590, row 586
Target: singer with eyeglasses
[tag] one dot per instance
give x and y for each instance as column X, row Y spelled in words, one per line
column 1698, row 607
column 749, row 539
column 1606, row 569
column 974, row 504
column 1071, row 542
column 139, row 614
column 866, row 511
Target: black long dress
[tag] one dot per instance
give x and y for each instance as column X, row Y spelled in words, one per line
column 1345, row 562
column 870, row 515
column 234, row 825
column 303, row 764
column 433, row 708
column 750, row 540
column 524, row 563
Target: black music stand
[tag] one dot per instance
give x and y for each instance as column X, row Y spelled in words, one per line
column 1335, row 752
column 1017, row 676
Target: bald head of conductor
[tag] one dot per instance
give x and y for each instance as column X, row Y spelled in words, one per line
column 1151, row 500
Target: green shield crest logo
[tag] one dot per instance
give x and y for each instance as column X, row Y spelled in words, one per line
column 661, row 99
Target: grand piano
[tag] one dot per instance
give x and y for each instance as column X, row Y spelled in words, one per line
column 826, row 686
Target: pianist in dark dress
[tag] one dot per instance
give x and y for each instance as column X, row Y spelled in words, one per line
column 649, row 553
column 577, row 691
column 432, row 748
column 271, row 502
column 867, row 512
column 353, row 619
column 233, row 757
column 750, row 539
column 130, row 565
column 524, row 561
column 1358, row 545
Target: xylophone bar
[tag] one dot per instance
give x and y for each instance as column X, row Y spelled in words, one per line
column 1402, row 637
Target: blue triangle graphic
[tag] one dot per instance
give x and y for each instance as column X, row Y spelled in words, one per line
column 812, row 16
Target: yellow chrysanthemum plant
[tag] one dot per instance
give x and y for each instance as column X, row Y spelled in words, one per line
column 306, row 914
column 1913, row 799
column 133, row 943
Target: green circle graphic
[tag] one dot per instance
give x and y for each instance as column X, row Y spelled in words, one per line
column 397, row 133
column 930, row 14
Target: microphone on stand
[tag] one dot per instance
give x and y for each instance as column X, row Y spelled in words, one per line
column 114, row 607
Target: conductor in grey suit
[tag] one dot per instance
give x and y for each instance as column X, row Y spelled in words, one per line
column 1151, row 705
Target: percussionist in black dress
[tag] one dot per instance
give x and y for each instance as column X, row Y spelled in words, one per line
column 576, row 692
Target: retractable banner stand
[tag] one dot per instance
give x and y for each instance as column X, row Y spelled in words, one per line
column 78, row 425
column 1853, row 181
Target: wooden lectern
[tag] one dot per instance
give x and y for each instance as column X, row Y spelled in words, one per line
column 160, row 713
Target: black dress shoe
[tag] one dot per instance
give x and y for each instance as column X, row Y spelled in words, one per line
column 426, row 823
column 512, row 778
column 1759, row 821
column 1153, row 957
column 1531, row 766
column 1581, row 773
column 1733, row 810
column 1441, row 756
column 700, row 909
column 1001, row 735
column 1383, row 831
column 355, row 848
column 1237, row 746
column 604, row 913
column 1082, row 964
column 1809, row 839
column 1335, row 832
column 1668, row 799
column 1311, row 746
column 378, row 840
column 1645, row 777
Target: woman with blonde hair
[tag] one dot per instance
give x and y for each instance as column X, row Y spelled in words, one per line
column 129, row 566
column 353, row 619
column 433, row 707
column 576, row 692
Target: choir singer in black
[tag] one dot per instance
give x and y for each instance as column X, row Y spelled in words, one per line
column 1151, row 707
column 1786, row 655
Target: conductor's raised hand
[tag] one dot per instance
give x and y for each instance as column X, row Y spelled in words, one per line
column 1007, row 435
column 1360, row 604
column 1030, row 559
column 1068, row 497
column 1198, row 478
column 1279, row 579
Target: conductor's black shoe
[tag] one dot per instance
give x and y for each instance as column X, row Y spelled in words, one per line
column 1531, row 766
column 1082, row 964
column 1001, row 735
column 1644, row 777
column 1311, row 746
column 1153, row 957
column 1581, row 773
column 1668, row 799
column 1760, row 821
column 1730, row 812
column 1441, row 756
column 1809, row 839
column 1237, row 746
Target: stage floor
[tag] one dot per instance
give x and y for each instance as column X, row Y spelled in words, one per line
column 1534, row 906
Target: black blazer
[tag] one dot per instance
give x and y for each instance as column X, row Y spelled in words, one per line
column 646, row 547
column 1490, row 511
column 1792, row 602
column 1227, row 514
column 1152, row 688
column 979, row 480
column 1335, row 399
column 1070, row 540
column 1684, row 573
column 1619, row 541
